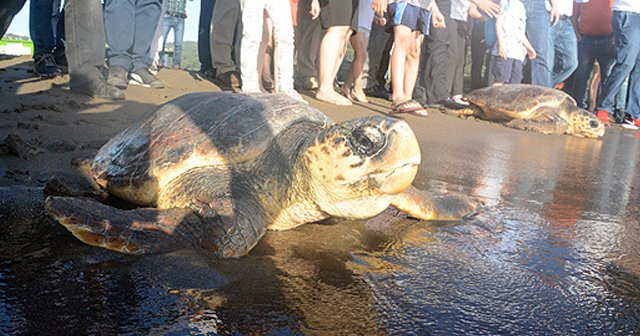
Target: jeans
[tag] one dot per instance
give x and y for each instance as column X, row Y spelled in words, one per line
column 178, row 34
column 45, row 38
column 252, row 18
column 626, row 30
column 204, row 28
column 85, row 41
column 590, row 49
column 563, row 59
column 130, row 26
column 538, row 32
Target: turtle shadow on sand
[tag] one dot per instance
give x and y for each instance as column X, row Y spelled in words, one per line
column 224, row 209
column 216, row 170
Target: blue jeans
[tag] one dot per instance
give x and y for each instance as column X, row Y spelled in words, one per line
column 626, row 30
column 590, row 49
column 538, row 32
column 204, row 28
column 563, row 59
column 41, row 29
column 178, row 34
column 130, row 26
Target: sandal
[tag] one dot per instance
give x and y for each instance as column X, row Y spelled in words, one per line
column 410, row 106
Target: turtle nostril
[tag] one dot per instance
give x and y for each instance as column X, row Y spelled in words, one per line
column 594, row 124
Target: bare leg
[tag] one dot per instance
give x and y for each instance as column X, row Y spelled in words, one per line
column 359, row 43
column 264, row 61
column 267, row 39
column 331, row 53
column 404, row 62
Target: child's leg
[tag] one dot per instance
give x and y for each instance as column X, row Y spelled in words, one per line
column 283, row 39
column 250, row 46
column 264, row 58
column 404, row 63
column 500, row 70
column 266, row 49
column 331, row 50
column 516, row 71
column 412, row 64
column 359, row 43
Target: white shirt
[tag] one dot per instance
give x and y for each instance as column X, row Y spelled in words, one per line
column 513, row 29
column 564, row 7
column 460, row 9
column 627, row 6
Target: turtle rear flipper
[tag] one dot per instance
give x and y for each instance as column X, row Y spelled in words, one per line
column 128, row 231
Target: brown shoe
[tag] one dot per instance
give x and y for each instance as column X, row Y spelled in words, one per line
column 229, row 78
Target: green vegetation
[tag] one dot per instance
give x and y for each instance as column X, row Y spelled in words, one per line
column 189, row 55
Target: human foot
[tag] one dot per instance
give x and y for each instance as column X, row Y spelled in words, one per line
column 333, row 98
column 352, row 94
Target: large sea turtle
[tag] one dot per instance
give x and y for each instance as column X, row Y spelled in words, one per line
column 216, row 170
column 534, row 108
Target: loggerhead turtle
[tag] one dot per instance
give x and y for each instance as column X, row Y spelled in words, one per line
column 216, row 170
column 533, row 108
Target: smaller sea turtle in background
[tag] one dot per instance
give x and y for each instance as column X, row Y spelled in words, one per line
column 533, row 108
column 216, row 170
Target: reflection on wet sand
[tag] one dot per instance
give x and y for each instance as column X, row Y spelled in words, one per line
column 553, row 251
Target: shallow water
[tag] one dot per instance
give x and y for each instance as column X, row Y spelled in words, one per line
column 555, row 250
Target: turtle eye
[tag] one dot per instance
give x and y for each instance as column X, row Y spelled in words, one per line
column 367, row 140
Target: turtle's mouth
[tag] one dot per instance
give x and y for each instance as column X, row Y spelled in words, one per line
column 393, row 181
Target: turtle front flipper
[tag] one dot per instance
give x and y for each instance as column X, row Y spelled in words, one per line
column 545, row 127
column 138, row 231
column 420, row 205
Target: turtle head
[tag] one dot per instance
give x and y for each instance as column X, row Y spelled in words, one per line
column 356, row 167
column 585, row 124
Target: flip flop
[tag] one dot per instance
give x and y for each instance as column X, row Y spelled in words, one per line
column 410, row 106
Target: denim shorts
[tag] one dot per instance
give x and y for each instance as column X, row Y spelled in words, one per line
column 414, row 17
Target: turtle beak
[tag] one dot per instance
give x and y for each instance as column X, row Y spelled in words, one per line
column 398, row 161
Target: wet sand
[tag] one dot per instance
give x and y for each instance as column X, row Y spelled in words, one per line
column 553, row 252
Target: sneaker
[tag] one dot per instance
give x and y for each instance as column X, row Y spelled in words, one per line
column 458, row 100
column 99, row 88
column 228, row 79
column 378, row 91
column 603, row 115
column 307, row 83
column 455, row 103
column 118, row 77
column 209, row 73
column 144, row 77
column 45, row 66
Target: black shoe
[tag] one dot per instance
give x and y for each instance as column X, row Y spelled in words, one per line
column 208, row 73
column 454, row 104
column 60, row 56
column 144, row 77
column 45, row 66
column 118, row 77
column 378, row 91
column 99, row 88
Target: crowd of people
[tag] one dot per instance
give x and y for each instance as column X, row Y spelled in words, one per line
column 412, row 52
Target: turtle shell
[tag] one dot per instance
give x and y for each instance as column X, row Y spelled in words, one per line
column 199, row 129
column 519, row 101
